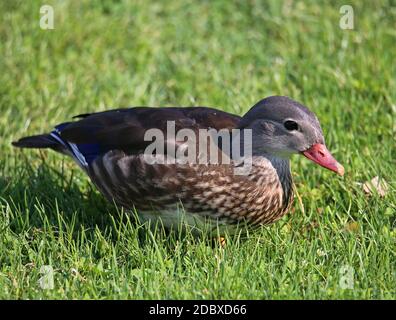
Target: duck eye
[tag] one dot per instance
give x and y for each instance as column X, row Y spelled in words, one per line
column 290, row 125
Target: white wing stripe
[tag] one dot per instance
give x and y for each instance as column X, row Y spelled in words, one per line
column 73, row 148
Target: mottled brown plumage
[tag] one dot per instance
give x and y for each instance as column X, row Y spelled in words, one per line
column 208, row 191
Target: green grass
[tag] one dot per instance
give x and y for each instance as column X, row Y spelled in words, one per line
column 107, row 54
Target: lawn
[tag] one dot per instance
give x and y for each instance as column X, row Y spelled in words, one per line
column 337, row 242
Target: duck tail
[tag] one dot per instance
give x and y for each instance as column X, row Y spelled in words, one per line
column 39, row 141
column 54, row 141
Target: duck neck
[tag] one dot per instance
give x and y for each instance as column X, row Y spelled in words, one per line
column 282, row 167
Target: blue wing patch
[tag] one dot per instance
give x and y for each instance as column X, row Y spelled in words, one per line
column 83, row 153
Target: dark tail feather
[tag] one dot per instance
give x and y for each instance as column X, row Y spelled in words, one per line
column 39, row 141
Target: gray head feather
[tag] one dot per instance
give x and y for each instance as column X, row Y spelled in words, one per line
column 282, row 126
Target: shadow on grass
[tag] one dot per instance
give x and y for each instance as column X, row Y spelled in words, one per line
column 35, row 193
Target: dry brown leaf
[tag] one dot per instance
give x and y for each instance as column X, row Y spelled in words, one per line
column 376, row 185
column 352, row 226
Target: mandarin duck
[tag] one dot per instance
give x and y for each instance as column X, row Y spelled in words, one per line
column 110, row 147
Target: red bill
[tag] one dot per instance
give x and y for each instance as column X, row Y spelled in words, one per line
column 319, row 154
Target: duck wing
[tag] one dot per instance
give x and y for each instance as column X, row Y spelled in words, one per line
column 95, row 134
column 124, row 129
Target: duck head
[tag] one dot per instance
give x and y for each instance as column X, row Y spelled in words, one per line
column 282, row 127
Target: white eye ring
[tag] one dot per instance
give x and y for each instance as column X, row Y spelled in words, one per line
column 290, row 125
